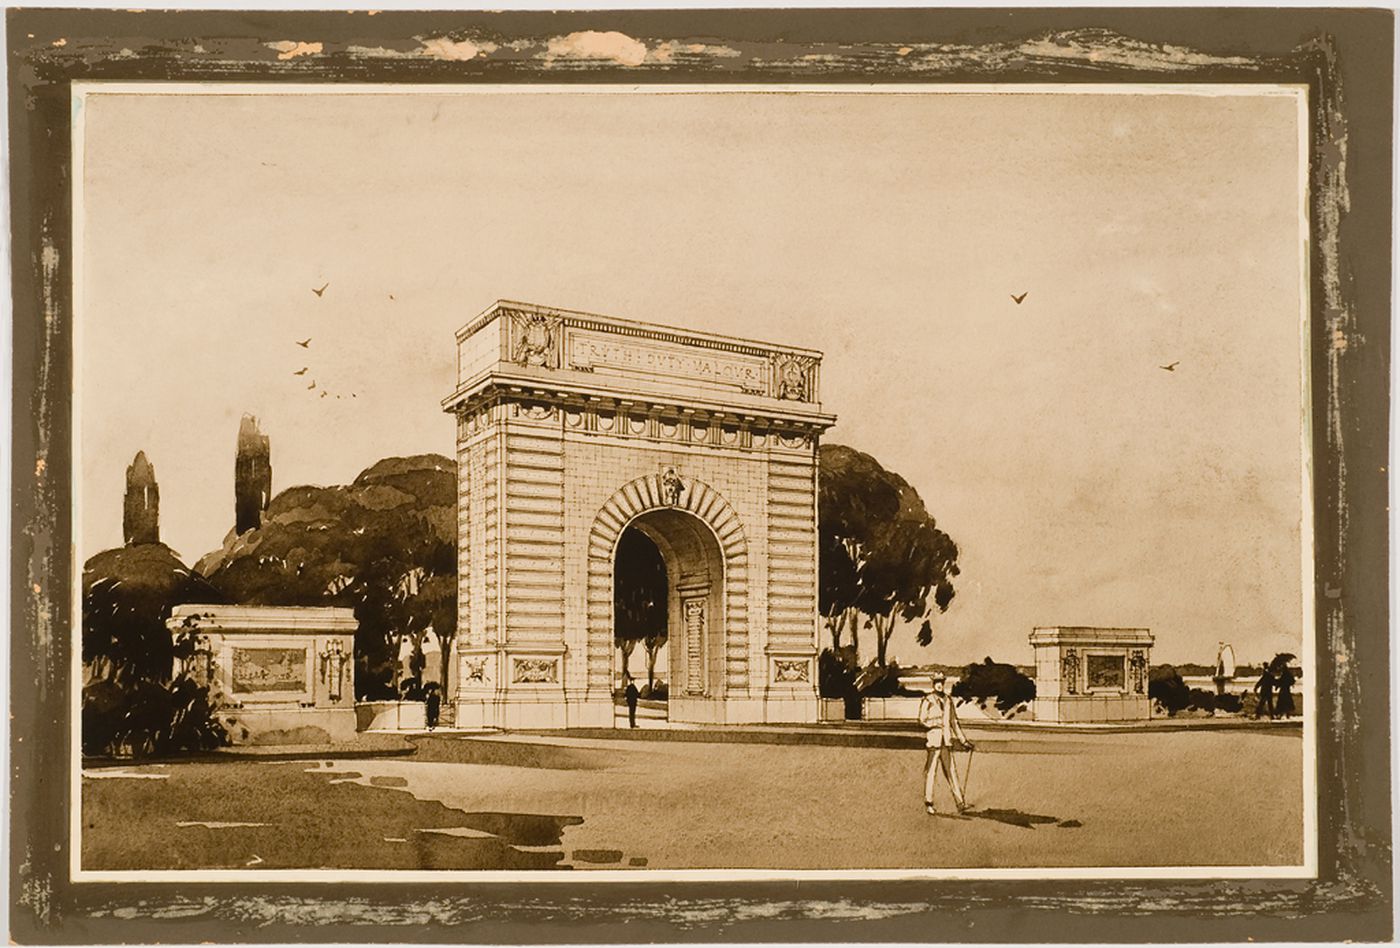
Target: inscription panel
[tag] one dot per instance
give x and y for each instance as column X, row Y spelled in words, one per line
column 590, row 351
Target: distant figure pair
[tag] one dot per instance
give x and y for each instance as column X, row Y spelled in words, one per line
column 944, row 735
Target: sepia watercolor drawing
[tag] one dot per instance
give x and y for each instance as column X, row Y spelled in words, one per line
column 548, row 461
column 979, row 534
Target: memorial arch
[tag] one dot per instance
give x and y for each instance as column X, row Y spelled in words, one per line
column 573, row 428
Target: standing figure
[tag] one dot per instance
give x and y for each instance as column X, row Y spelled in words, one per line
column 1283, row 705
column 432, row 705
column 936, row 714
column 632, row 696
column 1265, row 687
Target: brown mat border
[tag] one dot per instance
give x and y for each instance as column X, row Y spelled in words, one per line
column 1343, row 56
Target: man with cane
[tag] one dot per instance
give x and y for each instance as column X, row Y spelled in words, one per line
column 936, row 714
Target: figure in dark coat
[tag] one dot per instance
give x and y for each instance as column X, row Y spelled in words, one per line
column 1283, row 706
column 632, row 695
column 1265, row 687
column 432, row 705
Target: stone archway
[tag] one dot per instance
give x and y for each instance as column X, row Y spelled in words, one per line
column 702, row 540
column 560, row 417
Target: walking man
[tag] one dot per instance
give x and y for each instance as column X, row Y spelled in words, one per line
column 936, row 714
column 1265, row 688
column 632, row 696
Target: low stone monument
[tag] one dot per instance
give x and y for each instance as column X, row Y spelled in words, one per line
column 280, row 674
column 1091, row 675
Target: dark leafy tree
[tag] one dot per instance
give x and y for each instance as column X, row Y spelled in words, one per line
column 884, row 560
column 137, row 700
column 639, row 599
column 384, row 545
column 855, row 498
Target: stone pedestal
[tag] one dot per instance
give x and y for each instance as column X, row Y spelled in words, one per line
column 279, row 674
column 1091, row 675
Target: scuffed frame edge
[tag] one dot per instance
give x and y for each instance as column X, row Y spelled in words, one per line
column 1349, row 336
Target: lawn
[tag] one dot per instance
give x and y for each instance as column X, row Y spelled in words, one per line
column 1047, row 799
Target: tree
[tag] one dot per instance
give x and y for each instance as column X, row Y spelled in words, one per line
column 384, row 545
column 884, row 561
column 652, row 644
column 640, row 592
column 854, row 497
column 134, row 700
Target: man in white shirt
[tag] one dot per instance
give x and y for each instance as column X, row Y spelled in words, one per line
column 936, row 714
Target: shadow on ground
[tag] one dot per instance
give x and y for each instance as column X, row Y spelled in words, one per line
column 1019, row 818
column 456, row 750
column 238, row 815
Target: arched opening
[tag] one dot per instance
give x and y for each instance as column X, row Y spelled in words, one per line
column 640, row 598
column 668, row 611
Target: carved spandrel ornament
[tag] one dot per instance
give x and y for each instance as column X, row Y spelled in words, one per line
column 535, row 335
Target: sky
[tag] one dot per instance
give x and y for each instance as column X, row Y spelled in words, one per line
column 1084, row 483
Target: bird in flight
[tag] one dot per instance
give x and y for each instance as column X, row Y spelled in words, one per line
column 1021, row 298
column 1170, row 368
column 302, row 370
column 311, row 386
column 321, row 290
column 304, row 343
column 391, row 296
column 324, row 393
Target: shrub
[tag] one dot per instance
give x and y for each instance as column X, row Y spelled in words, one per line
column 877, row 681
column 997, row 681
column 656, row 691
column 1229, row 703
column 134, row 702
column 1165, row 687
column 836, row 673
column 148, row 718
column 1201, row 700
